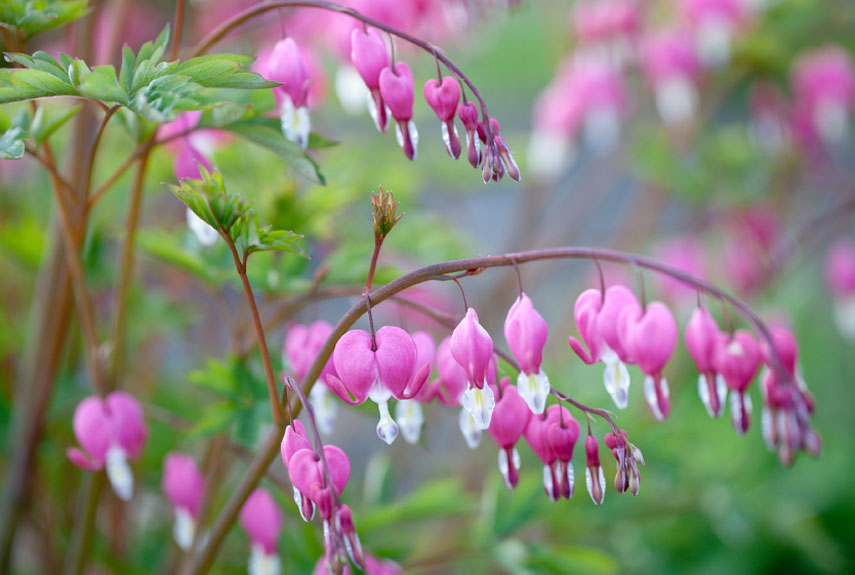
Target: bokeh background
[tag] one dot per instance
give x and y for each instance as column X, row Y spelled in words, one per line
column 754, row 218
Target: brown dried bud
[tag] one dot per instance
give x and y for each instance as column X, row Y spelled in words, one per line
column 383, row 208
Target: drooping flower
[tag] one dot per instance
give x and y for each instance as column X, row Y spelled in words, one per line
column 373, row 566
column 594, row 477
column 408, row 412
column 607, row 27
column 497, row 157
column 672, row 68
column 286, row 65
column 443, row 98
column 552, row 436
column 526, row 332
column 702, row 341
column 510, row 418
column 294, row 440
column 111, row 431
column 714, row 23
column 468, row 114
column 184, row 487
column 737, row 359
column 261, row 518
column 306, row 472
column 840, row 276
column 302, row 345
column 378, row 374
column 650, row 338
column 823, row 83
column 472, row 348
column 369, row 56
column 396, row 87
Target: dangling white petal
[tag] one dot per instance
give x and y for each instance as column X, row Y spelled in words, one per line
column 414, row 136
column 740, row 408
column 504, row 468
column 326, row 407
column 479, row 402
column 296, row 123
column 387, row 429
column 713, row 42
column 616, row 380
column 305, row 505
column 446, row 137
column 770, row 434
column 471, row 432
column 534, row 389
column 652, row 398
column 844, row 317
column 601, row 480
column 410, row 418
column 260, row 563
column 184, row 528
column 707, row 399
column 676, row 100
column 548, row 482
column 351, row 90
column 119, row 473
column 206, row 235
column 569, row 477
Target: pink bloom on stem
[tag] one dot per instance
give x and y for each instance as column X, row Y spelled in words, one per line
column 370, row 56
column 468, row 114
column 449, row 387
column 672, row 68
column 618, row 299
column 497, row 157
column 443, row 99
column 306, row 472
column 408, row 412
column 594, row 477
column 703, row 341
column 286, row 65
column 603, row 98
column 472, row 348
column 378, row 374
column 373, row 566
column 585, row 312
column 714, row 23
column 526, row 332
column 607, row 25
column 650, row 338
column 823, row 83
column 302, row 345
column 111, row 431
column 261, row 519
column 552, row 437
column 737, row 359
column 296, row 439
column 184, row 486
column 510, row 418
column 396, row 87
column 840, row 276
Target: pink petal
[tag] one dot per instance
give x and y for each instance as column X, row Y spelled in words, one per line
column 472, row 348
column 129, row 428
column 261, row 518
column 369, row 55
column 510, row 417
column 526, row 332
column 396, row 88
column 355, row 363
column 183, row 483
column 618, row 298
column 294, row 440
column 82, row 460
column 396, row 358
column 93, row 429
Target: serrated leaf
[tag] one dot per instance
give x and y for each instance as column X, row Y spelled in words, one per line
column 208, row 199
column 48, row 121
column 152, row 51
column 40, row 61
column 18, row 85
column 30, row 17
column 126, row 74
column 264, row 134
column 269, row 240
column 12, row 143
column 101, row 84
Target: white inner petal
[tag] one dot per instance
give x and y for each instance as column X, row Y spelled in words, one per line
column 260, row 563
column 296, row 123
column 119, row 473
column 471, row 432
column 479, row 402
column 548, row 153
column 184, row 528
column 713, row 42
column 351, row 91
column 534, row 389
column 616, row 379
column 410, row 418
column 387, row 429
column 844, row 317
column 676, row 100
column 326, row 408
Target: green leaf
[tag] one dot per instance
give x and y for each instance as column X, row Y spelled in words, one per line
column 48, row 121
column 12, row 143
column 217, row 376
column 154, row 51
column 18, row 85
column 214, row 418
column 263, row 133
column 126, row 74
column 101, row 84
column 163, row 246
column 209, row 200
column 318, row 142
column 40, row 61
column 267, row 239
column 33, row 16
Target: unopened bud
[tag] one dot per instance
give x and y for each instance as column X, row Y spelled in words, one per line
column 384, row 208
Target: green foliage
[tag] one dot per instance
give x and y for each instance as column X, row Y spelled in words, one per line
column 29, row 17
column 231, row 215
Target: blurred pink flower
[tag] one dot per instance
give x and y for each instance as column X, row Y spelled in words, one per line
column 823, row 82
column 184, row 487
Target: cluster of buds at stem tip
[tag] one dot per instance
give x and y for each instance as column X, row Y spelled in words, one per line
column 628, row 457
column 497, row 159
column 383, row 213
column 787, row 403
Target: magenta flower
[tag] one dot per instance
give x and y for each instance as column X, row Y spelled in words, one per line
column 296, row 439
column 823, row 83
column 111, row 431
column 302, row 346
column 472, row 348
column 714, row 24
column 602, row 92
column 468, row 114
column 510, row 418
column 840, row 276
column 703, row 341
column 378, row 374
column 585, row 313
column 552, row 436
column 737, row 359
column 650, row 338
column 369, row 56
column 607, row 27
column 286, row 65
column 396, row 87
column 261, row 518
column 672, row 68
column 594, row 477
column 306, row 472
column 373, row 566
column 443, row 99
column 184, row 486
column 526, row 332
column 408, row 412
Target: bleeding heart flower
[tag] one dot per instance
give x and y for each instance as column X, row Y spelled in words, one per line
column 184, row 486
column 286, row 65
column 111, row 431
column 302, row 346
column 840, row 276
column 526, row 332
column 628, row 457
column 703, row 341
column 408, row 412
column 618, row 298
column 650, row 338
column 510, row 418
column 672, row 69
column 296, row 439
column 306, row 472
column 468, row 114
column 585, row 313
column 396, row 88
column 443, row 99
column 552, row 437
column 823, row 83
column 714, row 23
column 378, row 374
column 472, row 348
column 369, row 56
column 261, row 518
column 737, row 359
column 594, row 477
